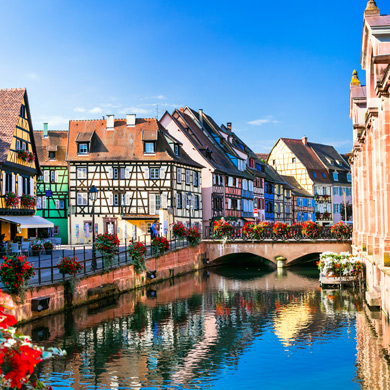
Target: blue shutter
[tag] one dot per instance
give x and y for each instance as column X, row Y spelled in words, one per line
column 306, row 217
column 313, row 203
column 297, row 201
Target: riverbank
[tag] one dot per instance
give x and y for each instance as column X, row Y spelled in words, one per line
column 104, row 284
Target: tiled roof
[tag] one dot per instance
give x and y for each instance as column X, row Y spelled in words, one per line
column 297, row 188
column 203, row 144
column 329, row 156
column 262, row 156
column 273, row 176
column 10, row 102
column 123, row 143
column 56, row 141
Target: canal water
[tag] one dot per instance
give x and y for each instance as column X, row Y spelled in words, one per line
column 238, row 326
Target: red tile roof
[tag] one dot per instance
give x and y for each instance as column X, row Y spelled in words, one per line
column 123, row 143
column 10, row 102
column 56, row 141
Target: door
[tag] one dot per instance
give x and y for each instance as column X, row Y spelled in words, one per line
column 14, row 230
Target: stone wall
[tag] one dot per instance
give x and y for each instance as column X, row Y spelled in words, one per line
column 90, row 288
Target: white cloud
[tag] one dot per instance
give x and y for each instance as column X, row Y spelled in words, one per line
column 260, row 122
column 160, row 97
column 134, row 110
column 96, row 110
column 55, row 122
column 32, row 76
column 79, row 109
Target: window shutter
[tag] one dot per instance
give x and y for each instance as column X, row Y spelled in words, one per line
column 110, row 172
column 127, row 173
column 46, row 176
column 152, row 204
column 127, row 199
column 164, row 200
column 178, row 175
column 184, row 200
column 44, row 202
column 188, row 176
column 4, row 183
column 20, row 185
column 163, row 171
column 31, row 186
column 146, row 173
column 13, row 183
column 230, row 181
column 56, row 176
column 177, row 200
column 110, row 198
column 229, row 203
column 39, row 203
column 57, row 204
column 238, row 204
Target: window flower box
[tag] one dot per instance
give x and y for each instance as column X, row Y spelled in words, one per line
column 27, row 201
column 26, row 155
column 11, row 200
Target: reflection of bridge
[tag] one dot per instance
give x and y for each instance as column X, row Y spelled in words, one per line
column 293, row 251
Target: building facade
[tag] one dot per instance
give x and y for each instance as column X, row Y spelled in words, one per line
column 53, row 185
column 141, row 174
column 19, row 167
column 370, row 113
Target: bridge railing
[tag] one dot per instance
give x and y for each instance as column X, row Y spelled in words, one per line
column 294, row 234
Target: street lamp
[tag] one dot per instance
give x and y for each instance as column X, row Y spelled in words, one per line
column 189, row 197
column 93, row 193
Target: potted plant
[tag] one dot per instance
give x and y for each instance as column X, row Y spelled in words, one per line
column 160, row 245
column 11, row 200
column 36, row 247
column 311, row 229
column 48, row 245
column 326, row 215
column 222, row 229
column 137, row 252
column 107, row 244
column 69, row 266
column 26, row 155
column 193, row 236
column 340, row 230
column 280, row 229
column 27, row 201
column 15, row 272
column 179, row 230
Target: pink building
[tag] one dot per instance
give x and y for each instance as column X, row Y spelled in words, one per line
column 370, row 114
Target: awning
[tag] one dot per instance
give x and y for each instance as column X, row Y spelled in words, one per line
column 249, row 219
column 27, row 222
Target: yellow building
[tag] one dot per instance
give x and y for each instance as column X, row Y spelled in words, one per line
column 18, row 167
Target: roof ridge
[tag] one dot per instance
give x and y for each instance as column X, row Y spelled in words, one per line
column 11, row 89
column 103, row 119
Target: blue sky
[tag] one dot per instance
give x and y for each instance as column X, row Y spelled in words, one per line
column 275, row 69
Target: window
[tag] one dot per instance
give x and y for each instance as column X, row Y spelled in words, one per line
column 273, row 162
column 52, row 155
column 17, row 145
column 22, row 111
column 293, row 160
column 62, row 204
column 83, row 148
column 349, row 177
column 122, row 173
column 314, row 175
column 196, row 179
column 177, row 150
column 154, row 173
column 158, row 202
column 82, row 173
column 323, row 175
column 196, row 202
column 178, row 175
column 82, row 199
column 335, row 176
column 53, row 176
column 116, row 199
column 179, row 205
column 116, row 173
column 39, row 203
column 24, row 145
column 56, row 229
column 149, row 147
column 188, row 177
column 40, row 178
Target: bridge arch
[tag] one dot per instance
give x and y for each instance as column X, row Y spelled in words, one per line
column 244, row 257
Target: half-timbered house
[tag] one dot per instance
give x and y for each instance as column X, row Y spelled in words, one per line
column 18, row 167
column 141, row 172
column 52, row 185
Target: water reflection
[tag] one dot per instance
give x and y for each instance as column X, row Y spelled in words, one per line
column 223, row 328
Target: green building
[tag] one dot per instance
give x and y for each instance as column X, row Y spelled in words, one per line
column 52, row 186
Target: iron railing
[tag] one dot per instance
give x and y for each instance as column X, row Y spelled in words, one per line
column 294, row 234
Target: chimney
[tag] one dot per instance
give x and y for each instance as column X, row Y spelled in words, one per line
column 45, row 130
column 304, row 140
column 229, row 126
column 200, row 116
column 110, row 122
column 130, row 120
column 181, row 109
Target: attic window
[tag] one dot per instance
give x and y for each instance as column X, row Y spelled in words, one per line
column 323, row 175
column 149, row 147
column 314, row 175
column 22, row 111
column 83, row 148
column 177, row 150
column 52, row 155
column 293, row 160
column 335, row 176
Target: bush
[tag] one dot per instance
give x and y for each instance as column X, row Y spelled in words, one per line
column 69, row 266
column 280, row 228
column 340, row 228
column 311, row 229
column 222, row 228
column 160, row 245
column 179, row 230
column 137, row 252
column 193, row 235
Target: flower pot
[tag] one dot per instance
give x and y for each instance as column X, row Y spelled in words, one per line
column 35, row 253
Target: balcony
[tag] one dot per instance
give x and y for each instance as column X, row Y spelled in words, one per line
column 323, row 198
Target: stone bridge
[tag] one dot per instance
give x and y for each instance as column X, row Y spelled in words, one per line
column 293, row 251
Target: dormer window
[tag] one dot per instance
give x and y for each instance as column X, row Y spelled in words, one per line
column 83, row 148
column 52, row 155
column 149, row 147
column 323, row 175
column 335, row 176
column 177, row 150
column 314, row 175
